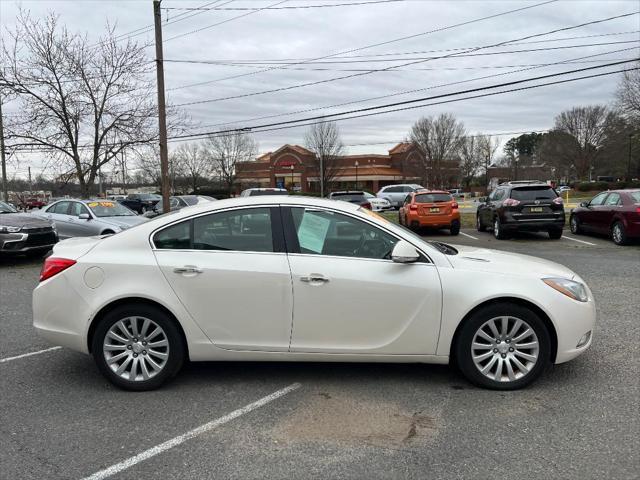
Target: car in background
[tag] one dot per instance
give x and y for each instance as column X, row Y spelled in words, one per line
column 357, row 197
column 177, row 202
column 140, row 202
column 254, row 192
column 615, row 213
column 524, row 205
column 563, row 188
column 377, row 204
column 456, row 192
column 117, row 197
column 396, row 194
column 24, row 232
column 430, row 208
column 85, row 218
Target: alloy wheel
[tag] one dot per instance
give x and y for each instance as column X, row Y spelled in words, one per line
column 136, row 348
column 496, row 228
column 617, row 233
column 505, row 349
column 574, row 224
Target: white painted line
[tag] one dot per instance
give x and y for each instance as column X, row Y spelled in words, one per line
column 581, row 241
column 8, row 359
column 141, row 457
column 467, row 235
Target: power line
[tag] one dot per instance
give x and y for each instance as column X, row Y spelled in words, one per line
column 324, row 118
column 293, row 7
column 379, row 44
column 493, row 134
column 360, row 74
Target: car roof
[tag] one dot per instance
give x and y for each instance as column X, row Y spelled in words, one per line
column 348, row 192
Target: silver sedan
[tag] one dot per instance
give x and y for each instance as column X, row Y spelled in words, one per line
column 85, row 218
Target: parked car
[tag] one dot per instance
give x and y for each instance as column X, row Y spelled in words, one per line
column 430, row 208
column 456, row 192
column 254, row 192
column 24, row 233
column 140, row 202
column 377, row 204
column 309, row 280
column 522, row 206
column 563, row 188
column 83, row 218
column 178, row 202
column 357, row 197
column 117, row 197
column 615, row 213
column 395, row 194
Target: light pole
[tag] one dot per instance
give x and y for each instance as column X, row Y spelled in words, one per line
column 629, row 161
column 292, row 184
column 356, row 174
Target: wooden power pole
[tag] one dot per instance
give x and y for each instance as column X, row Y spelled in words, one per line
column 5, row 187
column 162, row 114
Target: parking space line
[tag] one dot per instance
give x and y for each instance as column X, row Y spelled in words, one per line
column 467, row 235
column 141, row 457
column 30, row 354
column 581, row 241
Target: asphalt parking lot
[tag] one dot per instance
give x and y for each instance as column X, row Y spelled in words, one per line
column 61, row 419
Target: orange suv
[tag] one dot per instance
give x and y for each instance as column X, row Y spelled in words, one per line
column 430, row 208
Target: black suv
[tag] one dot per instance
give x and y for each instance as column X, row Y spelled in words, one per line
column 141, row 202
column 531, row 206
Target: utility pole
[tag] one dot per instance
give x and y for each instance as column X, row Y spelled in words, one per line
column 30, row 188
column 162, row 114
column 629, row 161
column 5, row 192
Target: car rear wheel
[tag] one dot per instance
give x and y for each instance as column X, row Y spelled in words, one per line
column 454, row 229
column 574, row 225
column 498, row 231
column 138, row 347
column 618, row 234
column 479, row 225
column 503, row 347
column 555, row 233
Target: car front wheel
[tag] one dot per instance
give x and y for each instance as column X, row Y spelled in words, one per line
column 137, row 347
column 503, row 347
column 574, row 225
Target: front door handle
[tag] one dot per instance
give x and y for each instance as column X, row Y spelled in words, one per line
column 314, row 278
column 187, row 269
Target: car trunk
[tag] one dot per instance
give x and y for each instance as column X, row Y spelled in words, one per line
column 534, row 203
column 434, row 209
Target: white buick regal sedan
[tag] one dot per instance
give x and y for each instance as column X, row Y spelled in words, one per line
column 298, row 279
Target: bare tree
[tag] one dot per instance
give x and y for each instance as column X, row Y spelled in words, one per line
column 323, row 139
column 470, row 159
column 628, row 95
column 148, row 165
column 225, row 150
column 439, row 139
column 194, row 164
column 84, row 103
column 487, row 147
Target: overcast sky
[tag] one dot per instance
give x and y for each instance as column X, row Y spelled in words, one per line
column 273, row 35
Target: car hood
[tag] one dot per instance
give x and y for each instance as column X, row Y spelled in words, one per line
column 123, row 222
column 23, row 220
column 497, row 261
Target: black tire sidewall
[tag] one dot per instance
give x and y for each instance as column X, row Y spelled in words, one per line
column 573, row 219
column 462, row 348
column 176, row 345
column 455, row 227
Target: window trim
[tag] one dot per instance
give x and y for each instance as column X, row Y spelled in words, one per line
column 277, row 233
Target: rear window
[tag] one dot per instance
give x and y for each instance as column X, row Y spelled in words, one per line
column 255, row 193
column 190, row 200
column 533, row 193
column 635, row 196
column 432, row 198
column 348, row 197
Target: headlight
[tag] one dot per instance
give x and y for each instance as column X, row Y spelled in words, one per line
column 571, row 289
column 8, row 229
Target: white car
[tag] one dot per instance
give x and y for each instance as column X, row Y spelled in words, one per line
column 303, row 279
column 378, row 204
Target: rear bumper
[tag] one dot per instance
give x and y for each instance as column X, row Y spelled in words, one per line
column 433, row 221
column 511, row 221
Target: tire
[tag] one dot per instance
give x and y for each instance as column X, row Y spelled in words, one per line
column 498, row 231
column 108, row 232
column 535, row 345
column 454, row 229
column 479, row 225
column 618, row 233
column 168, row 355
column 400, row 219
column 555, row 233
column 574, row 225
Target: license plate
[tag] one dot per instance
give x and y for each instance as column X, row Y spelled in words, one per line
column 537, row 209
column 434, row 210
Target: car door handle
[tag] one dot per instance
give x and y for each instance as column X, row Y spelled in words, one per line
column 314, row 278
column 187, row 269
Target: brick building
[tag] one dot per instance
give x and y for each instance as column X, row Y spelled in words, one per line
column 295, row 167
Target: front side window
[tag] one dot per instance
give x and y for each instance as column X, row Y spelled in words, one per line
column 324, row 232
column 598, row 199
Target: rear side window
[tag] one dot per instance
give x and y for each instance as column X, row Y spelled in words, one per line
column 635, row 197
column 175, row 237
column 393, row 189
column 61, row 208
column 432, row 198
column 533, row 193
column 247, row 230
column 613, row 199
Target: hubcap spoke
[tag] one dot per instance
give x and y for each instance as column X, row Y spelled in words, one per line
column 494, row 329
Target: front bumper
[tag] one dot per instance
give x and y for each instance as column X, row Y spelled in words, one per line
column 579, row 319
column 21, row 242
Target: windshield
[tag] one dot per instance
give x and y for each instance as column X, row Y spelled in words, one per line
column 109, row 209
column 149, row 196
column 6, row 208
column 432, row 198
column 533, row 193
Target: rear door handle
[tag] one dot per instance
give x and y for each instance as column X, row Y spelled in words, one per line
column 314, row 278
column 187, row 269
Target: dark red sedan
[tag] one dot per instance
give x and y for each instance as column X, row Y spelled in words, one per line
column 615, row 213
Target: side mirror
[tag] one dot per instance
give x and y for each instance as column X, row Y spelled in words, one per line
column 584, row 204
column 84, row 216
column 404, row 252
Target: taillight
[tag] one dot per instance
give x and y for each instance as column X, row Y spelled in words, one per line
column 454, row 205
column 53, row 265
column 367, row 205
column 511, row 202
column 557, row 200
column 413, row 207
